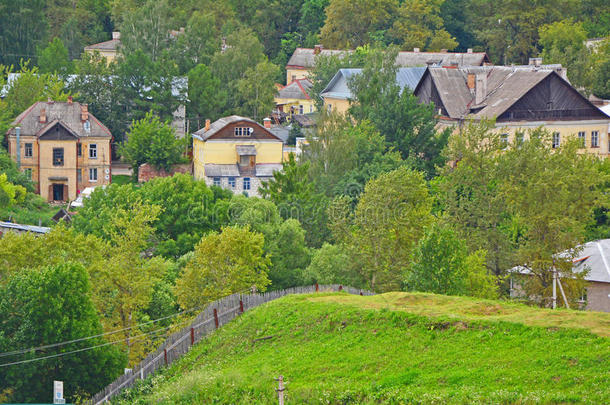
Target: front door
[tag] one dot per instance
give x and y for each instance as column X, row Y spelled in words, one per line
column 58, row 192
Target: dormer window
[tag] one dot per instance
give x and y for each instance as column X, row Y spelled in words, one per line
column 87, row 126
column 243, row 131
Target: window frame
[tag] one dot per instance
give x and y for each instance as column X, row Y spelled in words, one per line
column 216, row 181
column 556, row 141
column 28, row 173
column 504, row 141
column 28, row 147
column 232, row 182
column 595, row 136
column 93, row 170
column 58, row 161
column 92, row 151
column 247, row 185
column 582, row 136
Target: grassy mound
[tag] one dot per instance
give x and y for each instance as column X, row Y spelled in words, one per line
column 393, row 348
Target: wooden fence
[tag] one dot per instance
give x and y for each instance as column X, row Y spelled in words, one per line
column 214, row 316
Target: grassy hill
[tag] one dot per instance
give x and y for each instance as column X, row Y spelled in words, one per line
column 393, row 348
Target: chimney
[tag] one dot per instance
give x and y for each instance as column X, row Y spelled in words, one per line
column 469, row 50
column 207, row 125
column 267, row 122
column 84, row 112
column 535, row 61
column 43, row 116
column 415, row 50
column 116, row 35
column 70, row 100
column 480, row 88
column 317, row 49
column 471, row 82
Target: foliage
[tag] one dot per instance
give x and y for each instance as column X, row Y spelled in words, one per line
column 46, row 306
column 34, row 210
column 154, row 142
column 293, row 193
column 284, row 239
column 23, row 27
column 407, row 126
column 601, row 77
column 207, row 96
column 441, row 265
column 419, row 24
column 10, row 193
column 54, row 58
column 564, row 42
column 385, row 227
column 146, row 29
column 353, row 23
column 257, row 90
column 332, row 264
column 425, row 349
column 223, row 263
column 19, row 252
column 124, row 282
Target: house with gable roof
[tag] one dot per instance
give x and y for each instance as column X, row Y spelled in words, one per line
column 237, row 153
column 294, row 99
column 62, row 147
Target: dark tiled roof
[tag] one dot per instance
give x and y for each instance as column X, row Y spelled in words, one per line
column 305, row 58
column 111, row 45
column 220, row 124
column 69, row 114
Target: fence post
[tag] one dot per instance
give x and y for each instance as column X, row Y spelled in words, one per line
column 241, row 307
column 165, row 355
column 317, row 287
column 192, row 336
column 216, row 318
column 280, row 390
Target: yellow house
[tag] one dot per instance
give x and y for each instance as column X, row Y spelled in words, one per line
column 62, row 148
column 519, row 98
column 236, row 153
column 107, row 49
column 294, row 98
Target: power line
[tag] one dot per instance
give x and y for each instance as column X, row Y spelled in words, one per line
column 21, row 351
column 134, row 339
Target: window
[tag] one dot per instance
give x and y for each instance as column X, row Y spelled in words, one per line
column 504, row 141
column 243, row 131
column 28, row 173
column 79, row 175
column 582, row 138
column 93, row 174
column 556, row 139
column 244, row 160
column 58, row 156
column 92, row 151
column 311, row 108
column 232, row 182
column 594, row 139
column 87, row 126
column 520, row 136
column 246, row 183
column 301, row 109
column 217, row 181
column 79, row 149
column 28, row 150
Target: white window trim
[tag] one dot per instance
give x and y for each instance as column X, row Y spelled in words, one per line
column 94, row 148
column 91, row 170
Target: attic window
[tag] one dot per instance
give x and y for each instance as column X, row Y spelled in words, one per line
column 87, row 126
column 243, row 131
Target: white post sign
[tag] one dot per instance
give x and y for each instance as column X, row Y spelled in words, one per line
column 58, row 392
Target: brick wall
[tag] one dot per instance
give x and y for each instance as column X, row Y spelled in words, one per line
column 147, row 172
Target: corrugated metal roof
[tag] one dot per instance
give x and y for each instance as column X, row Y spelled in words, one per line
column 214, row 170
column 306, row 57
column 24, row 228
column 338, row 87
column 267, row 169
column 246, row 150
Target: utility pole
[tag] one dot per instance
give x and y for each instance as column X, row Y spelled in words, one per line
column 280, row 390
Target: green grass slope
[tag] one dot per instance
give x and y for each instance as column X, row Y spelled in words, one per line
column 393, row 348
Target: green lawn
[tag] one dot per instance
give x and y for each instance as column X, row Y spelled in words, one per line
column 33, row 211
column 340, row 349
column 121, row 179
